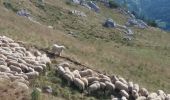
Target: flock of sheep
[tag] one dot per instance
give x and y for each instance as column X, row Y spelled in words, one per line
column 18, row 64
column 94, row 82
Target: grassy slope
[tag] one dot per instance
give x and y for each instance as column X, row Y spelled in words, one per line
column 146, row 60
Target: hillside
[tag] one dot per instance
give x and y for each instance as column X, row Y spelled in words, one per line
column 145, row 7
column 144, row 60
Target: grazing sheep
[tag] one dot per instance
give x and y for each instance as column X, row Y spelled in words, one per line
column 123, row 80
column 93, row 87
column 136, row 87
column 38, row 68
column 114, row 78
column 76, row 74
column 104, row 78
column 67, row 69
column 61, row 70
column 121, row 86
column 92, row 79
column 115, row 99
column 130, row 86
column 57, row 50
column 14, row 45
column 87, row 72
column 102, row 85
column 152, row 96
column 135, row 94
column 22, row 75
column 23, row 67
column 143, row 92
column 69, row 77
column 4, row 68
column 161, row 94
column 14, row 68
column 124, row 93
column 32, row 75
column 85, row 81
column 167, row 97
column 79, row 83
column 110, row 86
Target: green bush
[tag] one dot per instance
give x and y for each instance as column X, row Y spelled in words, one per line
column 35, row 95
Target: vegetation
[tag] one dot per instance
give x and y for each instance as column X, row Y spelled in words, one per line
column 145, row 60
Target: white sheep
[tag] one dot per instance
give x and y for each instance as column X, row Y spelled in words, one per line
column 93, row 87
column 79, row 83
column 136, row 87
column 123, row 98
column 124, row 93
column 130, row 86
column 161, row 94
column 102, row 85
column 87, row 72
column 123, row 80
column 76, row 74
column 121, row 86
column 135, row 94
column 152, row 96
column 85, row 81
column 67, row 69
column 4, row 68
column 114, row 78
column 92, row 79
column 167, row 97
column 57, row 50
column 38, row 68
column 14, row 68
column 69, row 77
column 110, row 86
column 143, row 92
column 32, row 75
column 61, row 70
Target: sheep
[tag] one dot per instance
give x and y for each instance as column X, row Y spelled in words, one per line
column 32, row 75
column 79, row 83
column 22, row 75
column 136, row 87
column 4, row 68
column 104, row 78
column 110, row 86
column 152, row 96
column 92, row 79
column 135, row 94
column 3, row 57
column 69, row 77
column 114, row 79
column 87, row 72
column 23, row 67
column 37, row 53
column 67, row 69
column 121, row 86
column 124, row 93
column 143, row 92
column 167, row 97
column 38, row 68
column 115, row 98
column 93, row 87
column 14, row 68
column 141, row 98
column 130, row 86
column 61, row 70
column 123, row 80
column 22, row 80
column 57, row 50
column 76, row 74
column 102, row 85
column 14, row 45
column 85, row 81
column 161, row 94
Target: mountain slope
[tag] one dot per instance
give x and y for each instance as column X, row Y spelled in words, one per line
column 145, row 60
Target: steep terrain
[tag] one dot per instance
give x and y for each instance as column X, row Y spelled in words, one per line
column 145, row 60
